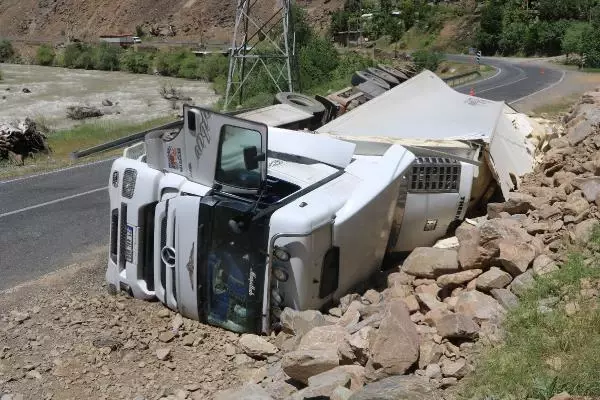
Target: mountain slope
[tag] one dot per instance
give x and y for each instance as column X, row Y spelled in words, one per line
column 87, row 19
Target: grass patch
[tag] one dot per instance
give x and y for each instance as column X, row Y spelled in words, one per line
column 555, row 108
column 545, row 353
column 64, row 142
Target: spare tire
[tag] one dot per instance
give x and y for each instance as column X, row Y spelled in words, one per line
column 396, row 73
column 301, row 101
column 365, row 76
column 390, row 79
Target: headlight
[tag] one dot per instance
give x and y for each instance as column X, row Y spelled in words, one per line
column 115, row 178
column 280, row 274
column 129, row 177
column 281, row 254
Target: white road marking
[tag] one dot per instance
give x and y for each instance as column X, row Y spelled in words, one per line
column 505, row 84
column 541, row 90
column 47, row 203
column 498, row 72
column 55, row 171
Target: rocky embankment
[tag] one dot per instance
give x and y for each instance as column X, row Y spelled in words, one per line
column 412, row 336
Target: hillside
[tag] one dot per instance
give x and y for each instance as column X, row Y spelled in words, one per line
column 192, row 20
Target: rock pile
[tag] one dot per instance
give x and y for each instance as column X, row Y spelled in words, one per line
column 20, row 140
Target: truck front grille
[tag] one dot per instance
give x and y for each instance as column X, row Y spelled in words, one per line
column 122, row 236
column 114, row 234
column 434, row 175
column 163, row 243
column 147, row 246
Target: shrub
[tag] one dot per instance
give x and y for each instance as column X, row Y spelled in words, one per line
column 45, row 55
column 425, row 59
column 138, row 62
column 7, row 51
column 106, row 57
column 212, row 66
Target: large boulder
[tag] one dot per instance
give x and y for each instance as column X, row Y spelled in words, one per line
column 458, row 278
column 583, row 231
column 300, row 322
column 505, row 297
column 495, row 278
column 457, row 326
column 430, row 353
column 408, row 387
column 478, row 306
column 576, row 206
column 543, row 265
column 518, row 203
column 522, row 283
column 589, row 186
column 503, row 228
column 395, row 347
column 323, row 385
column 327, row 337
column 515, row 256
column 256, row 346
column 302, row 364
column 429, row 262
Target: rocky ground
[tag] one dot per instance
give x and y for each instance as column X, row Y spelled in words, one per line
column 414, row 335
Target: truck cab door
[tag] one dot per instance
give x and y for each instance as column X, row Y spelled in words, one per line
column 215, row 150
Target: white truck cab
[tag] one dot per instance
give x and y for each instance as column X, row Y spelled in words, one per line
column 228, row 221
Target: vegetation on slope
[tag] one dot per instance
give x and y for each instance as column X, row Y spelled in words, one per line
column 541, row 27
column 552, row 341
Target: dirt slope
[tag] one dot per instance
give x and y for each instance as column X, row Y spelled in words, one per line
column 87, row 19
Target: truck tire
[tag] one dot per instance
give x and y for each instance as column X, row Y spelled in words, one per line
column 301, row 101
column 389, row 78
column 304, row 103
column 365, row 76
column 396, row 73
column 112, row 289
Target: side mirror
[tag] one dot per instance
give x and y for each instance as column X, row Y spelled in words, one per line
column 252, row 157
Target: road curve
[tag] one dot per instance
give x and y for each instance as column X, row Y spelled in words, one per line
column 47, row 220
column 512, row 82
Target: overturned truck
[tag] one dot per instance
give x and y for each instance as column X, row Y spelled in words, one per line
column 229, row 219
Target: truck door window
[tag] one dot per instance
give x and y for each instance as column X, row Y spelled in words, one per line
column 231, row 168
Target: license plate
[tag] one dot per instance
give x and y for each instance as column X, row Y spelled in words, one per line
column 129, row 245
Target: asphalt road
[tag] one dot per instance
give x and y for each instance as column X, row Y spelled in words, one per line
column 47, row 221
column 512, row 81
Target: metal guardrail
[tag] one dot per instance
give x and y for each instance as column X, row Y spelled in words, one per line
column 136, row 137
column 461, row 78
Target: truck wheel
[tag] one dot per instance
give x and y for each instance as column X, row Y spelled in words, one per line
column 401, row 76
column 390, row 79
column 301, row 101
column 112, row 289
column 365, row 76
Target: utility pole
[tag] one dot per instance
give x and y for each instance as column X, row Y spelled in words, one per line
column 259, row 45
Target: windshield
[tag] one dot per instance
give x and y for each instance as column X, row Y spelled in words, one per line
column 231, row 167
column 233, row 267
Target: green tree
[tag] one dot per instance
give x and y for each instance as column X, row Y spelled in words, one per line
column 138, row 62
column 45, row 55
column 490, row 28
column 7, row 51
column 573, row 37
column 106, row 57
